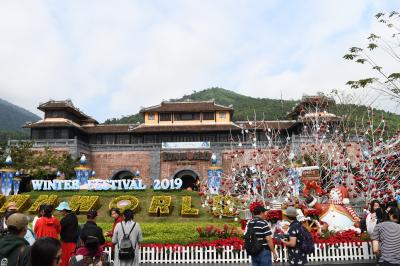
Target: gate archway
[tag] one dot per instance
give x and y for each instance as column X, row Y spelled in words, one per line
column 122, row 174
column 189, row 178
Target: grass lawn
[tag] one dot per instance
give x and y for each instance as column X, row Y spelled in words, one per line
column 167, row 229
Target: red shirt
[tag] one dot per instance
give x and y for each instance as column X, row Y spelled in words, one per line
column 49, row 227
column 117, row 221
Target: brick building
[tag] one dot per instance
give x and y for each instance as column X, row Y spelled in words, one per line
column 176, row 139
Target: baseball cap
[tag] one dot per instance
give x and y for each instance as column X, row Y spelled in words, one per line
column 17, row 220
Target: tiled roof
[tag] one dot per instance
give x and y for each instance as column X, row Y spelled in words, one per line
column 65, row 105
column 187, row 107
column 185, row 128
column 114, row 128
column 52, row 123
column 267, row 124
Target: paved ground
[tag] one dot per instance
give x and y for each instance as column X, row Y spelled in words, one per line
column 341, row 263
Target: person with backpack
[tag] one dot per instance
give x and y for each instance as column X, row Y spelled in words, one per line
column 14, row 249
column 90, row 228
column 300, row 242
column 258, row 239
column 126, row 237
column 90, row 253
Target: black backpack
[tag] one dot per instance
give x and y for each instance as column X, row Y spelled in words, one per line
column 252, row 245
column 307, row 241
column 126, row 249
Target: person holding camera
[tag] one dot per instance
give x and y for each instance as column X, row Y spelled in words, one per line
column 295, row 253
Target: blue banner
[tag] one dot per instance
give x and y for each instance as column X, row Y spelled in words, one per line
column 214, row 180
column 3, row 183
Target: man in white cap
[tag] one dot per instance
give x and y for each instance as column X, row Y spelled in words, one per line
column 14, row 249
column 69, row 232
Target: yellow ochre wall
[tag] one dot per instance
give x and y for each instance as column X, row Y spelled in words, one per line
column 150, row 122
column 227, row 118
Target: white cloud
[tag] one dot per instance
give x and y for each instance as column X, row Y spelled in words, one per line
column 112, row 58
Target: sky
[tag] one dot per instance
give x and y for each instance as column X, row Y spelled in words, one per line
column 113, row 57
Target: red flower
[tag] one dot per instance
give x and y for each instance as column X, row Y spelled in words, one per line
column 255, row 204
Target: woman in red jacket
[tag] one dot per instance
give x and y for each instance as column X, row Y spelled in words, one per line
column 47, row 225
column 116, row 214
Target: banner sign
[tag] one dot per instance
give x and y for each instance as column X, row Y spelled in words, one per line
column 97, row 184
column 214, row 180
column 186, row 145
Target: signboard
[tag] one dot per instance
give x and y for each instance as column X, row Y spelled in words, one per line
column 186, row 156
column 96, row 184
column 310, row 173
column 186, row 145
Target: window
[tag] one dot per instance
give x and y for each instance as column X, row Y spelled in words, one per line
column 208, row 116
column 57, row 133
column 151, row 116
column 222, row 115
column 108, row 139
column 122, row 139
column 186, row 116
column 165, row 116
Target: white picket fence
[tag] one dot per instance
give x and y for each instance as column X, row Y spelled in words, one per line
column 323, row 252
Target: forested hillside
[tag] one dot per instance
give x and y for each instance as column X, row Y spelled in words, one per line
column 268, row 109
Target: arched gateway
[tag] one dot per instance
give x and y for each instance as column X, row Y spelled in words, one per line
column 189, row 178
column 122, row 174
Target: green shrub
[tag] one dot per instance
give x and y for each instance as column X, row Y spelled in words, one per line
column 168, row 233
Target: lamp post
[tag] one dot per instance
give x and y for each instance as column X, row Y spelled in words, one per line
column 7, row 178
column 214, row 173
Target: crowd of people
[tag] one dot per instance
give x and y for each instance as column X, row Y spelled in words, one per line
column 383, row 226
column 54, row 242
column 382, row 223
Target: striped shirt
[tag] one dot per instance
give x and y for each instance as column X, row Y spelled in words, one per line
column 261, row 229
column 388, row 234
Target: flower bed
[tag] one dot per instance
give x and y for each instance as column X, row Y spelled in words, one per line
column 43, row 199
column 84, row 203
column 22, row 202
column 124, row 203
column 160, row 205
column 187, row 210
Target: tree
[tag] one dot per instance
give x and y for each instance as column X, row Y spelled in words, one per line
column 360, row 155
column 38, row 164
column 385, row 81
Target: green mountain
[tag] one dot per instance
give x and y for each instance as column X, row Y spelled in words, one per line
column 246, row 107
column 12, row 119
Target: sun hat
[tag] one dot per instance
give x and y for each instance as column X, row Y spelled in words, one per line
column 63, row 206
column 290, row 212
column 17, row 220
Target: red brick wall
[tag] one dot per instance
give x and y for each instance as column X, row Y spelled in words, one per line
column 172, row 167
column 107, row 163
